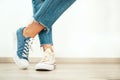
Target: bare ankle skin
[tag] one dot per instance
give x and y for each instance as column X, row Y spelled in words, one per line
column 46, row 46
column 32, row 29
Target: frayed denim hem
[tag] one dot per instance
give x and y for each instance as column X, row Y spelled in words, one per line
column 46, row 44
column 45, row 27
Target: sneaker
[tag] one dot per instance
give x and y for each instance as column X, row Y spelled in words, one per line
column 23, row 45
column 47, row 63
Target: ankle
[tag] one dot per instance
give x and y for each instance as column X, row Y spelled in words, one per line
column 45, row 47
column 25, row 32
column 32, row 29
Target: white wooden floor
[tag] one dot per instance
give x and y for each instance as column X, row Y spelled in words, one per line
column 9, row 71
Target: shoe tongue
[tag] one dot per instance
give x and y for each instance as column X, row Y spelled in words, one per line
column 48, row 50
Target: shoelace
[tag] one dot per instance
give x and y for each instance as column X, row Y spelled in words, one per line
column 47, row 56
column 27, row 47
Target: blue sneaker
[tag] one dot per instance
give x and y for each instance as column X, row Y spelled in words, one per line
column 23, row 45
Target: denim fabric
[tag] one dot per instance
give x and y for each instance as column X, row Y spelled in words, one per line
column 46, row 12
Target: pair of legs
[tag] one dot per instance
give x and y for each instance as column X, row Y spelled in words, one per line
column 45, row 13
column 35, row 28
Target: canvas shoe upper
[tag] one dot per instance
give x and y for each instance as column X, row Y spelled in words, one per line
column 23, row 45
column 47, row 62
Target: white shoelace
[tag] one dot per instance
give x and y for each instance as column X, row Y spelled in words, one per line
column 48, row 56
column 27, row 47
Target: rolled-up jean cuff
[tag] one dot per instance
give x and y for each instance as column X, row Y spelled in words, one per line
column 45, row 27
column 46, row 44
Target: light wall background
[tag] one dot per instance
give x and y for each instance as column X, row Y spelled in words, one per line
column 88, row 29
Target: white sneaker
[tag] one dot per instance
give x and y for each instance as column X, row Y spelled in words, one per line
column 21, row 63
column 47, row 63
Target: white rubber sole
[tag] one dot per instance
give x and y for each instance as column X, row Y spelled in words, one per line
column 45, row 67
column 21, row 63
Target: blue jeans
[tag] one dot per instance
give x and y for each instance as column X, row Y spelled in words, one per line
column 46, row 12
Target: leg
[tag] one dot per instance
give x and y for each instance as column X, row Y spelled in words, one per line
column 34, row 28
column 56, row 8
column 44, row 38
column 52, row 11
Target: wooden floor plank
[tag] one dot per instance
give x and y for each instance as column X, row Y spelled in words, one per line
column 9, row 71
